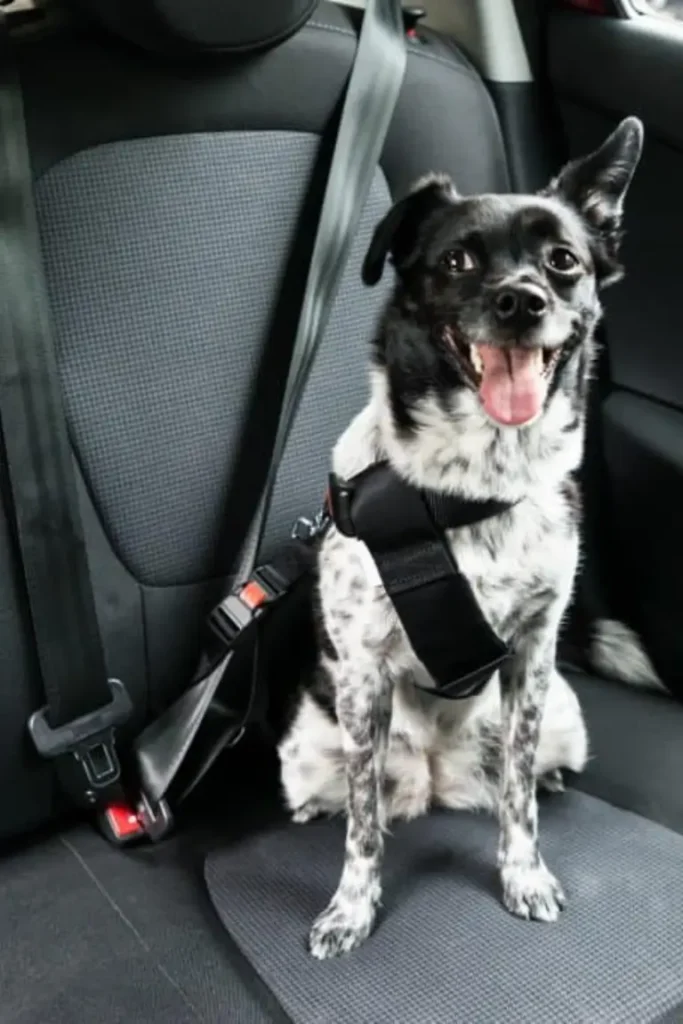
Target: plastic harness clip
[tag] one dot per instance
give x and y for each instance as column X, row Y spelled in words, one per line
column 245, row 603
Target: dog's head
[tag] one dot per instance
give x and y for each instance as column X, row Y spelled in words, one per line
column 505, row 287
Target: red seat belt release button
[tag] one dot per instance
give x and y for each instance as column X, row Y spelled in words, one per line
column 122, row 824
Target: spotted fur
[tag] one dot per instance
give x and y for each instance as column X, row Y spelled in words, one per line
column 364, row 739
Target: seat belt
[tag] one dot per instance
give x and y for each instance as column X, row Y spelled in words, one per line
column 83, row 708
column 371, row 95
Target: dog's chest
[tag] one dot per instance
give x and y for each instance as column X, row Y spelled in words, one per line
column 518, row 562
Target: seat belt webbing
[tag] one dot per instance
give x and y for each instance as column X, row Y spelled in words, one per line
column 82, row 706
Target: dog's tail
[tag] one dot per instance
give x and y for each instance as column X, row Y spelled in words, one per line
column 618, row 653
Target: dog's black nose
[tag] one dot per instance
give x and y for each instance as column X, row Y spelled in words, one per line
column 521, row 306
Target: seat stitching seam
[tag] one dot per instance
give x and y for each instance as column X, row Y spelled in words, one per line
column 126, row 920
column 331, row 28
column 421, row 56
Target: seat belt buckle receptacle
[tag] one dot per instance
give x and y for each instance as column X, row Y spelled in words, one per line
column 90, row 740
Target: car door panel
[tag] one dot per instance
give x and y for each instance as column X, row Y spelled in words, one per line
column 602, row 69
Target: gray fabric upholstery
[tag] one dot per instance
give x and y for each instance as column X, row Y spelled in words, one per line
column 636, row 740
column 166, row 193
column 89, row 934
column 28, row 787
column 445, row 949
column 161, row 295
column 674, row 1016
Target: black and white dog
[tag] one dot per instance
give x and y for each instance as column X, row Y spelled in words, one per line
column 479, row 379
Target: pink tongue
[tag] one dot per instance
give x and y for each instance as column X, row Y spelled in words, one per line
column 512, row 389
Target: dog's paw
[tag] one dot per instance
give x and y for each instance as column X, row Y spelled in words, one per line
column 406, row 803
column 532, row 892
column 307, row 812
column 340, row 929
column 551, row 782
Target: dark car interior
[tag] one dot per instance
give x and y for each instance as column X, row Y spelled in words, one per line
column 169, row 171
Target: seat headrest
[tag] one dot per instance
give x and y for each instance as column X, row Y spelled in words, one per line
column 236, row 26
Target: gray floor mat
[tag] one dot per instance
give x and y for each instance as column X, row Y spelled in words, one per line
column 94, row 935
column 445, row 951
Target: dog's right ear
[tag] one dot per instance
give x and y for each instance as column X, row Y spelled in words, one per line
column 397, row 234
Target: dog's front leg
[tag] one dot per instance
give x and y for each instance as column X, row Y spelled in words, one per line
column 529, row 889
column 363, row 702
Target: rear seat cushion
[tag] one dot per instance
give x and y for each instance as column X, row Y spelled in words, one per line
column 636, row 742
column 95, row 935
column 445, row 949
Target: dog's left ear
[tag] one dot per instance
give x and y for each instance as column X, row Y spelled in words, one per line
column 398, row 232
column 596, row 186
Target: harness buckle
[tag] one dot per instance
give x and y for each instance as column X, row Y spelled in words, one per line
column 90, row 740
column 307, row 530
column 245, row 603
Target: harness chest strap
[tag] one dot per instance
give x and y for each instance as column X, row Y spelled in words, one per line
column 404, row 530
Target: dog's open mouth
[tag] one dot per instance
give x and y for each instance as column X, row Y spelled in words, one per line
column 512, row 383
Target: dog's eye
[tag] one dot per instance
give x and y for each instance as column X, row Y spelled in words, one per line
column 458, row 261
column 562, row 260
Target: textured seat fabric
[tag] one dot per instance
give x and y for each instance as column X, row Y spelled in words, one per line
column 168, row 193
column 445, row 950
column 636, row 749
column 91, row 934
column 190, row 322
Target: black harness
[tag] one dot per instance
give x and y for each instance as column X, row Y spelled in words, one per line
column 261, row 627
column 404, row 528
